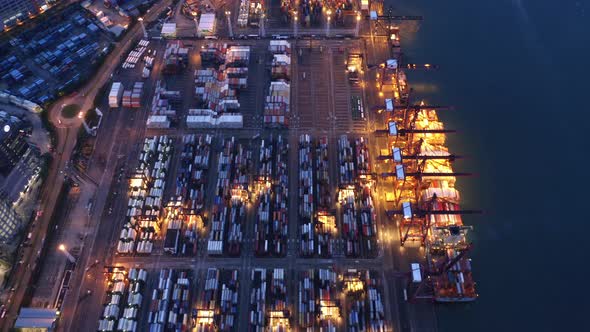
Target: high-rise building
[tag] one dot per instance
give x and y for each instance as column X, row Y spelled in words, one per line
column 10, row 222
column 20, row 167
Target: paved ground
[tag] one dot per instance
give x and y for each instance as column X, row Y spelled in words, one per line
column 321, row 107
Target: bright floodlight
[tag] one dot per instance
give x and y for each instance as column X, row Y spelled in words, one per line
column 6, row 128
column 62, row 247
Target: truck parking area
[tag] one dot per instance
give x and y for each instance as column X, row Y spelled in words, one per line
column 49, row 60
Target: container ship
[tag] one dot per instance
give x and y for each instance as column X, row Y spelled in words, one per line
column 423, row 200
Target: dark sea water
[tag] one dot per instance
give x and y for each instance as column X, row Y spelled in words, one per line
column 517, row 72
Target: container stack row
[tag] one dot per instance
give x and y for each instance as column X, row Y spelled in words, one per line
column 264, row 185
column 375, row 305
column 225, row 73
column 149, row 223
column 136, row 54
column 180, row 308
column 281, row 198
column 132, row 98
column 278, row 305
column 137, row 279
column 207, row 305
column 124, row 298
column 307, row 300
column 306, row 196
column 161, row 296
column 363, row 165
column 175, row 57
column 221, row 196
column 163, row 107
column 146, row 190
column 192, row 173
column 271, row 226
column 324, row 195
column 229, row 302
column 115, row 94
column 243, row 13
column 281, row 66
column 278, row 99
column 346, row 162
column 368, row 219
column 239, row 198
column 350, row 228
column 325, row 223
column 182, row 231
column 329, row 305
column 258, row 300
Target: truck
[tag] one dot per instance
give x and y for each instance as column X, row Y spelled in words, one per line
column 354, row 63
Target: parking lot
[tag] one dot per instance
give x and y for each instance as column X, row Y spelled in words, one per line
column 51, row 59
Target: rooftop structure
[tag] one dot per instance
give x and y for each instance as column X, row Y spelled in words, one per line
column 40, row 319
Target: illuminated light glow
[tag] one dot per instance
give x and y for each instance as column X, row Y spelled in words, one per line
column 6, row 128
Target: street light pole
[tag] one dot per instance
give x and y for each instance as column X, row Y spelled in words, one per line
column 196, row 23
column 228, row 15
column 295, row 24
column 358, row 24
column 142, row 27
column 261, row 25
column 63, row 249
column 329, row 12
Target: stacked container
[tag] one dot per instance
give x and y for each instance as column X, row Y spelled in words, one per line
column 243, row 13
column 137, row 280
column 281, row 198
column 115, row 94
column 116, row 292
column 134, row 56
column 306, row 196
column 350, row 231
column 179, row 313
column 279, row 314
column 276, row 106
column 258, row 300
column 363, row 166
column 240, row 182
column 161, row 296
column 307, row 300
column 146, row 191
column 222, row 191
column 229, row 302
column 346, row 161
column 277, row 102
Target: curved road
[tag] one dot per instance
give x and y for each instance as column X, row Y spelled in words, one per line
column 66, row 132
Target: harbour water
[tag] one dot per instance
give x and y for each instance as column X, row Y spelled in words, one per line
column 517, row 73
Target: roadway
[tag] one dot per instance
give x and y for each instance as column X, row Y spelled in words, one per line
column 66, row 137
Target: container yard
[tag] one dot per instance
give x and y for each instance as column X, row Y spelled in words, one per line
column 272, row 179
